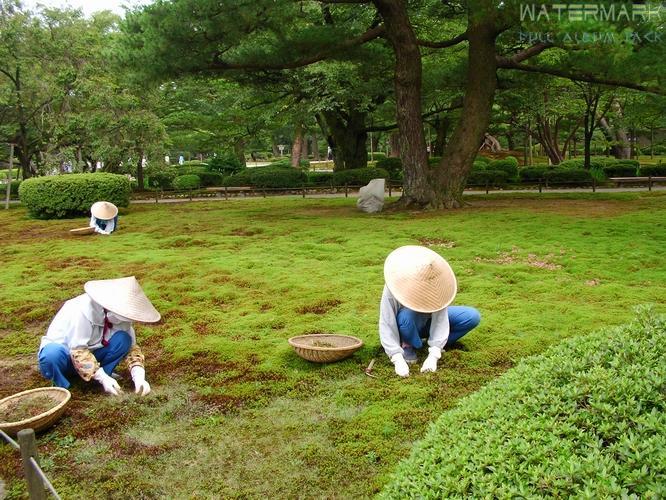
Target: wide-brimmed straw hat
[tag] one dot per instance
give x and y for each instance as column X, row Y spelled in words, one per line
column 104, row 210
column 123, row 296
column 420, row 279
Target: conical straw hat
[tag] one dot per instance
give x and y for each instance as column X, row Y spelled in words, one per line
column 420, row 279
column 104, row 210
column 123, row 296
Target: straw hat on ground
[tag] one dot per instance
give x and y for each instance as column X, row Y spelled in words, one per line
column 420, row 279
column 123, row 296
column 104, row 210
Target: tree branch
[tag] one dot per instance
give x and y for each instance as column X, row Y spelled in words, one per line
column 371, row 34
column 506, row 63
column 521, row 56
column 445, row 43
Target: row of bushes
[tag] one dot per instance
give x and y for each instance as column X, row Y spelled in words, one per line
column 587, row 419
column 73, row 194
column 288, row 177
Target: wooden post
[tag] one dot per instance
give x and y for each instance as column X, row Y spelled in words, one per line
column 594, row 184
column 649, row 185
column 487, row 182
column 9, row 174
column 346, row 192
column 389, row 185
column 26, row 439
column 304, row 197
column 226, row 197
column 539, row 191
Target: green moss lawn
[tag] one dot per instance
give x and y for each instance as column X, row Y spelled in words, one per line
column 234, row 412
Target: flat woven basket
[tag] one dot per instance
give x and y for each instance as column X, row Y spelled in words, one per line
column 325, row 347
column 39, row 422
column 82, row 231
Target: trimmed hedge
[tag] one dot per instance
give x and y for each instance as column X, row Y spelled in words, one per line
column 620, row 170
column 192, row 169
column 508, row 165
column 376, row 156
column 533, row 174
column 211, row 179
column 71, row 195
column 653, row 170
column 490, row 178
column 268, row 177
column 392, row 165
column 568, row 175
column 586, row 419
column 320, row 178
column 187, row 181
column 358, row 176
column 160, row 177
column 225, row 163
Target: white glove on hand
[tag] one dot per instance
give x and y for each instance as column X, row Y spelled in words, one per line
column 401, row 366
column 430, row 364
column 140, row 383
column 109, row 383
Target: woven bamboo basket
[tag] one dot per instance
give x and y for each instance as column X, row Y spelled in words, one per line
column 82, row 231
column 325, row 347
column 39, row 422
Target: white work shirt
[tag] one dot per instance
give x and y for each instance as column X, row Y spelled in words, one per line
column 79, row 324
column 389, row 335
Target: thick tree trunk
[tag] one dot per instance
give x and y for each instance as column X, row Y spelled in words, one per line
column 348, row 138
column 394, row 145
column 442, row 126
column 239, row 151
column 417, row 187
column 305, row 150
column 618, row 138
column 139, row 172
column 464, row 144
column 298, row 145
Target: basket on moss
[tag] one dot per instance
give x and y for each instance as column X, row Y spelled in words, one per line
column 325, row 347
column 186, row 182
column 36, row 409
column 72, row 195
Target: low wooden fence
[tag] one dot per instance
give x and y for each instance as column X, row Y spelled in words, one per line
column 38, row 483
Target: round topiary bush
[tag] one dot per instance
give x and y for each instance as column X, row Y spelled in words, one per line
column 211, row 179
column 392, row 165
column 509, row 165
column 72, row 195
column 185, row 182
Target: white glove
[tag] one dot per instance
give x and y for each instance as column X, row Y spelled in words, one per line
column 140, row 383
column 430, row 364
column 401, row 366
column 109, row 383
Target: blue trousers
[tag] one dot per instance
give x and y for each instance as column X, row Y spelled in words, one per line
column 415, row 326
column 56, row 364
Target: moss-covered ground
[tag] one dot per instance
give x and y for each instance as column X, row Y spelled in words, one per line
column 234, row 412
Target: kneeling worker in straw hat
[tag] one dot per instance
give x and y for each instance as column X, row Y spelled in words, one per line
column 93, row 333
column 419, row 287
column 104, row 217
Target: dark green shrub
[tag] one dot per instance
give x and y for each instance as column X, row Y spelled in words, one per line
column 628, row 163
column 508, row 165
column 653, row 170
column 320, row 178
column 479, row 166
column 484, row 159
column 574, row 163
column 192, row 169
column 392, row 165
column 193, row 163
column 160, row 176
column 620, row 169
column 532, row 174
column 268, row 177
column 13, row 189
column 490, row 178
column 433, row 161
column 186, row 182
column 358, row 176
column 571, row 176
column 584, row 419
column 225, row 163
column 71, row 195
column 211, row 179
column 376, row 156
